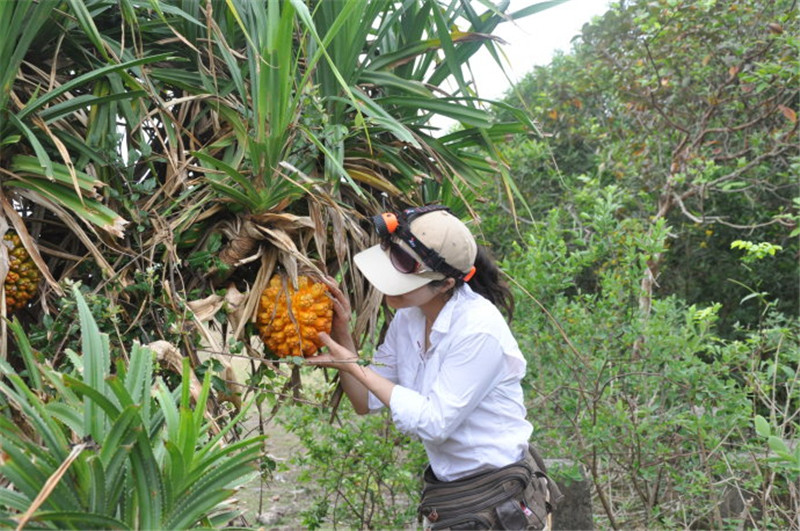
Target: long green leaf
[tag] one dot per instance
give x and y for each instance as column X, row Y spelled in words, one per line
column 96, row 366
column 111, row 409
column 192, row 418
column 190, row 433
column 148, row 483
column 87, row 209
column 451, row 63
column 139, row 379
column 83, row 101
column 123, row 431
column 404, row 55
column 230, row 171
column 20, row 23
column 210, row 489
column 24, row 164
column 535, row 8
column 176, row 474
column 98, row 487
column 189, row 510
column 30, row 474
column 166, row 401
column 226, row 429
column 234, row 194
column 386, row 80
column 38, row 148
column 464, row 114
column 35, row 411
column 117, row 478
column 37, row 104
column 469, row 138
column 85, row 20
column 67, row 414
column 213, row 453
column 380, row 116
column 82, row 519
column 26, row 353
column 14, row 500
column 26, row 474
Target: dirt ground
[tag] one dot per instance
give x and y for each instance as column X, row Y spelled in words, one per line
column 277, row 502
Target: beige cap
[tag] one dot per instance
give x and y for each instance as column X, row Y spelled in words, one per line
column 439, row 231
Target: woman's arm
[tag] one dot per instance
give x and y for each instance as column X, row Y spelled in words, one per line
column 356, row 380
column 468, row 371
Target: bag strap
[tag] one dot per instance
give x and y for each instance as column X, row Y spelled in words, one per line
column 476, row 492
column 553, row 491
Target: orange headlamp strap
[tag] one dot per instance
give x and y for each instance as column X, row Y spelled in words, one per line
column 389, row 224
column 470, row 274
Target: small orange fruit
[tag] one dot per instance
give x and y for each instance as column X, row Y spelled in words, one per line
column 289, row 320
column 22, row 280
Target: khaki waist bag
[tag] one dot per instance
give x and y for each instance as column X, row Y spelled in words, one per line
column 516, row 496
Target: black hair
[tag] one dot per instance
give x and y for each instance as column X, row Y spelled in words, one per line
column 488, row 282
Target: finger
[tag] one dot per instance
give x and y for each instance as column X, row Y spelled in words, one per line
column 331, row 283
column 337, row 352
column 326, row 340
column 341, row 313
column 335, row 290
column 344, row 302
column 320, row 359
column 338, row 304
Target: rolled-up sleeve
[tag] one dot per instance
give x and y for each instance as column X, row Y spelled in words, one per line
column 468, row 372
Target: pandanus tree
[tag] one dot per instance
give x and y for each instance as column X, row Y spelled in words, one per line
column 173, row 156
column 189, row 147
column 169, row 157
column 357, row 84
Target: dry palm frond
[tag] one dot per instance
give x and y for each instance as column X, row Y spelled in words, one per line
column 212, row 144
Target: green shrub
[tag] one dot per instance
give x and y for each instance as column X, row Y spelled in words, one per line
column 112, row 447
column 641, row 389
column 366, row 473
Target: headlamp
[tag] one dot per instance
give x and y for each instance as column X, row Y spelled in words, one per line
column 389, row 225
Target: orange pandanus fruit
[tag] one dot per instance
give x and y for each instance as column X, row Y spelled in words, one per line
column 22, row 280
column 289, row 320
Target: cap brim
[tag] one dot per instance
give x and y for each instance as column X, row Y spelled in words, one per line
column 375, row 264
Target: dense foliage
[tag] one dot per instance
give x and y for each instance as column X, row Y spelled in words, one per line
column 105, row 447
column 659, row 267
column 161, row 152
column 690, row 108
column 172, row 156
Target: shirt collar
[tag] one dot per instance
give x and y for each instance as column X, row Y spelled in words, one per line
column 444, row 320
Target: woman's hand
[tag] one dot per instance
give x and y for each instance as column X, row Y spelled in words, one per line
column 338, row 356
column 340, row 326
column 341, row 347
column 346, row 362
column 342, row 355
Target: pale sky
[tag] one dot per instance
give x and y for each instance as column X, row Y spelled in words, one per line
column 532, row 41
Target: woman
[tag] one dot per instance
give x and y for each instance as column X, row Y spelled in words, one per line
column 449, row 369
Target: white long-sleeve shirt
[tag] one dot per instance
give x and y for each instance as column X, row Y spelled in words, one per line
column 462, row 397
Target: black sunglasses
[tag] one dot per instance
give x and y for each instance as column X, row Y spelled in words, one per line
column 401, row 260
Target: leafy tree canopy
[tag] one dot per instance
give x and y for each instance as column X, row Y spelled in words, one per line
column 691, row 108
